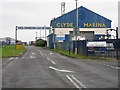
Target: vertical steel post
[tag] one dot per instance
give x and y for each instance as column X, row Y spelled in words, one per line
column 116, row 32
column 36, row 36
column 54, row 34
column 15, row 37
column 40, row 33
column 117, row 52
column 76, row 29
column 45, row 32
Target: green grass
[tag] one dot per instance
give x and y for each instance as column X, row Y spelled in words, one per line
column 77, row 56
column 9, row 50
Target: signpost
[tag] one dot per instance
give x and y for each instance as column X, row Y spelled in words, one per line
column 30, row 28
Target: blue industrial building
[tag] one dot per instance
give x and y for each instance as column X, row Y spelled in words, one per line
column 92, row 26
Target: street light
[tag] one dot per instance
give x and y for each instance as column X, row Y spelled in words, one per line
column 76, row 28
column 54, row 32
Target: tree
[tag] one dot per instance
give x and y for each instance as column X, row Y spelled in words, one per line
column 41, row 42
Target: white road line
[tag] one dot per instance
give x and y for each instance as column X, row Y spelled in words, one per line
column 11, row 58
column 72, row 81
column 112, row 66
column 33, row 53
column 51, row 53
column 31, row 57
column 8, row 60
column 47, row 58
column 16, row 58
column 59, row 69
column 41, row 52
column 11, row 62
column 83, row 86
column 53, row 62
column 118, row 67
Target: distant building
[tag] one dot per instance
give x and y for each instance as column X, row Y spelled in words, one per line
column 31, row 42
column 7, row 41
column 92, row 26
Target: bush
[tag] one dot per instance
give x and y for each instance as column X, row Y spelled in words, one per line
column 41, row 42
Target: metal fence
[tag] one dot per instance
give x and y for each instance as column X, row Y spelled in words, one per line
column 108, row 53
column 88, row 51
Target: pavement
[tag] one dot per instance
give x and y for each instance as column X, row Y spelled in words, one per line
column 40, row 68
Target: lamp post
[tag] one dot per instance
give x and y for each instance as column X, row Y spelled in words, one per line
column 76, row 28
column 16, row 35
column 54, row 33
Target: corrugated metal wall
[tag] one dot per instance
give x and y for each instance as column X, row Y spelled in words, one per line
column 84, row 15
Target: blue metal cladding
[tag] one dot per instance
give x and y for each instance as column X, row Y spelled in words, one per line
column 85, row 16
column 97, row 36
column 67, row 37
column 51, row 45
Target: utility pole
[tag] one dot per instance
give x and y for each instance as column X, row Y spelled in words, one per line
column 76, row 29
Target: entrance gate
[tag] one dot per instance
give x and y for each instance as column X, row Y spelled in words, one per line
column 29, row 28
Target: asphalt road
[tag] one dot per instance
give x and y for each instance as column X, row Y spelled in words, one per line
column 40, row 68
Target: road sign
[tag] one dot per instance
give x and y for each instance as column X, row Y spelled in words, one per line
column 31, row 27
column 60, row 36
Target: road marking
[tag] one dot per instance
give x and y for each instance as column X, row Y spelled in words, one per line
column 59, row 69
column 72, row 81
column 83, row 86
column 47, row 58
column 41, row 52
column 33, row 53
column 11, row 58
column 12, row 61
column 16, row 58
column 53, row 62
column 118, row 67
column 112, row 66
column 8, row 60
column 32, row 57
column 51, row 53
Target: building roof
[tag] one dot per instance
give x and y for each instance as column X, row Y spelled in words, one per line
column 84, row 16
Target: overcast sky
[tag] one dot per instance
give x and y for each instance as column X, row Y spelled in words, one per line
column 40, row 12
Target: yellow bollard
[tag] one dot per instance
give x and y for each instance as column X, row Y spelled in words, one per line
column 18, row 46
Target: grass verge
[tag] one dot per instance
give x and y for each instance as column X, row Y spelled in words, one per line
column 9, row 50
column 66, row 53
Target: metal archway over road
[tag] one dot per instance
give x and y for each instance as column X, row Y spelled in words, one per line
column 30, row 28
